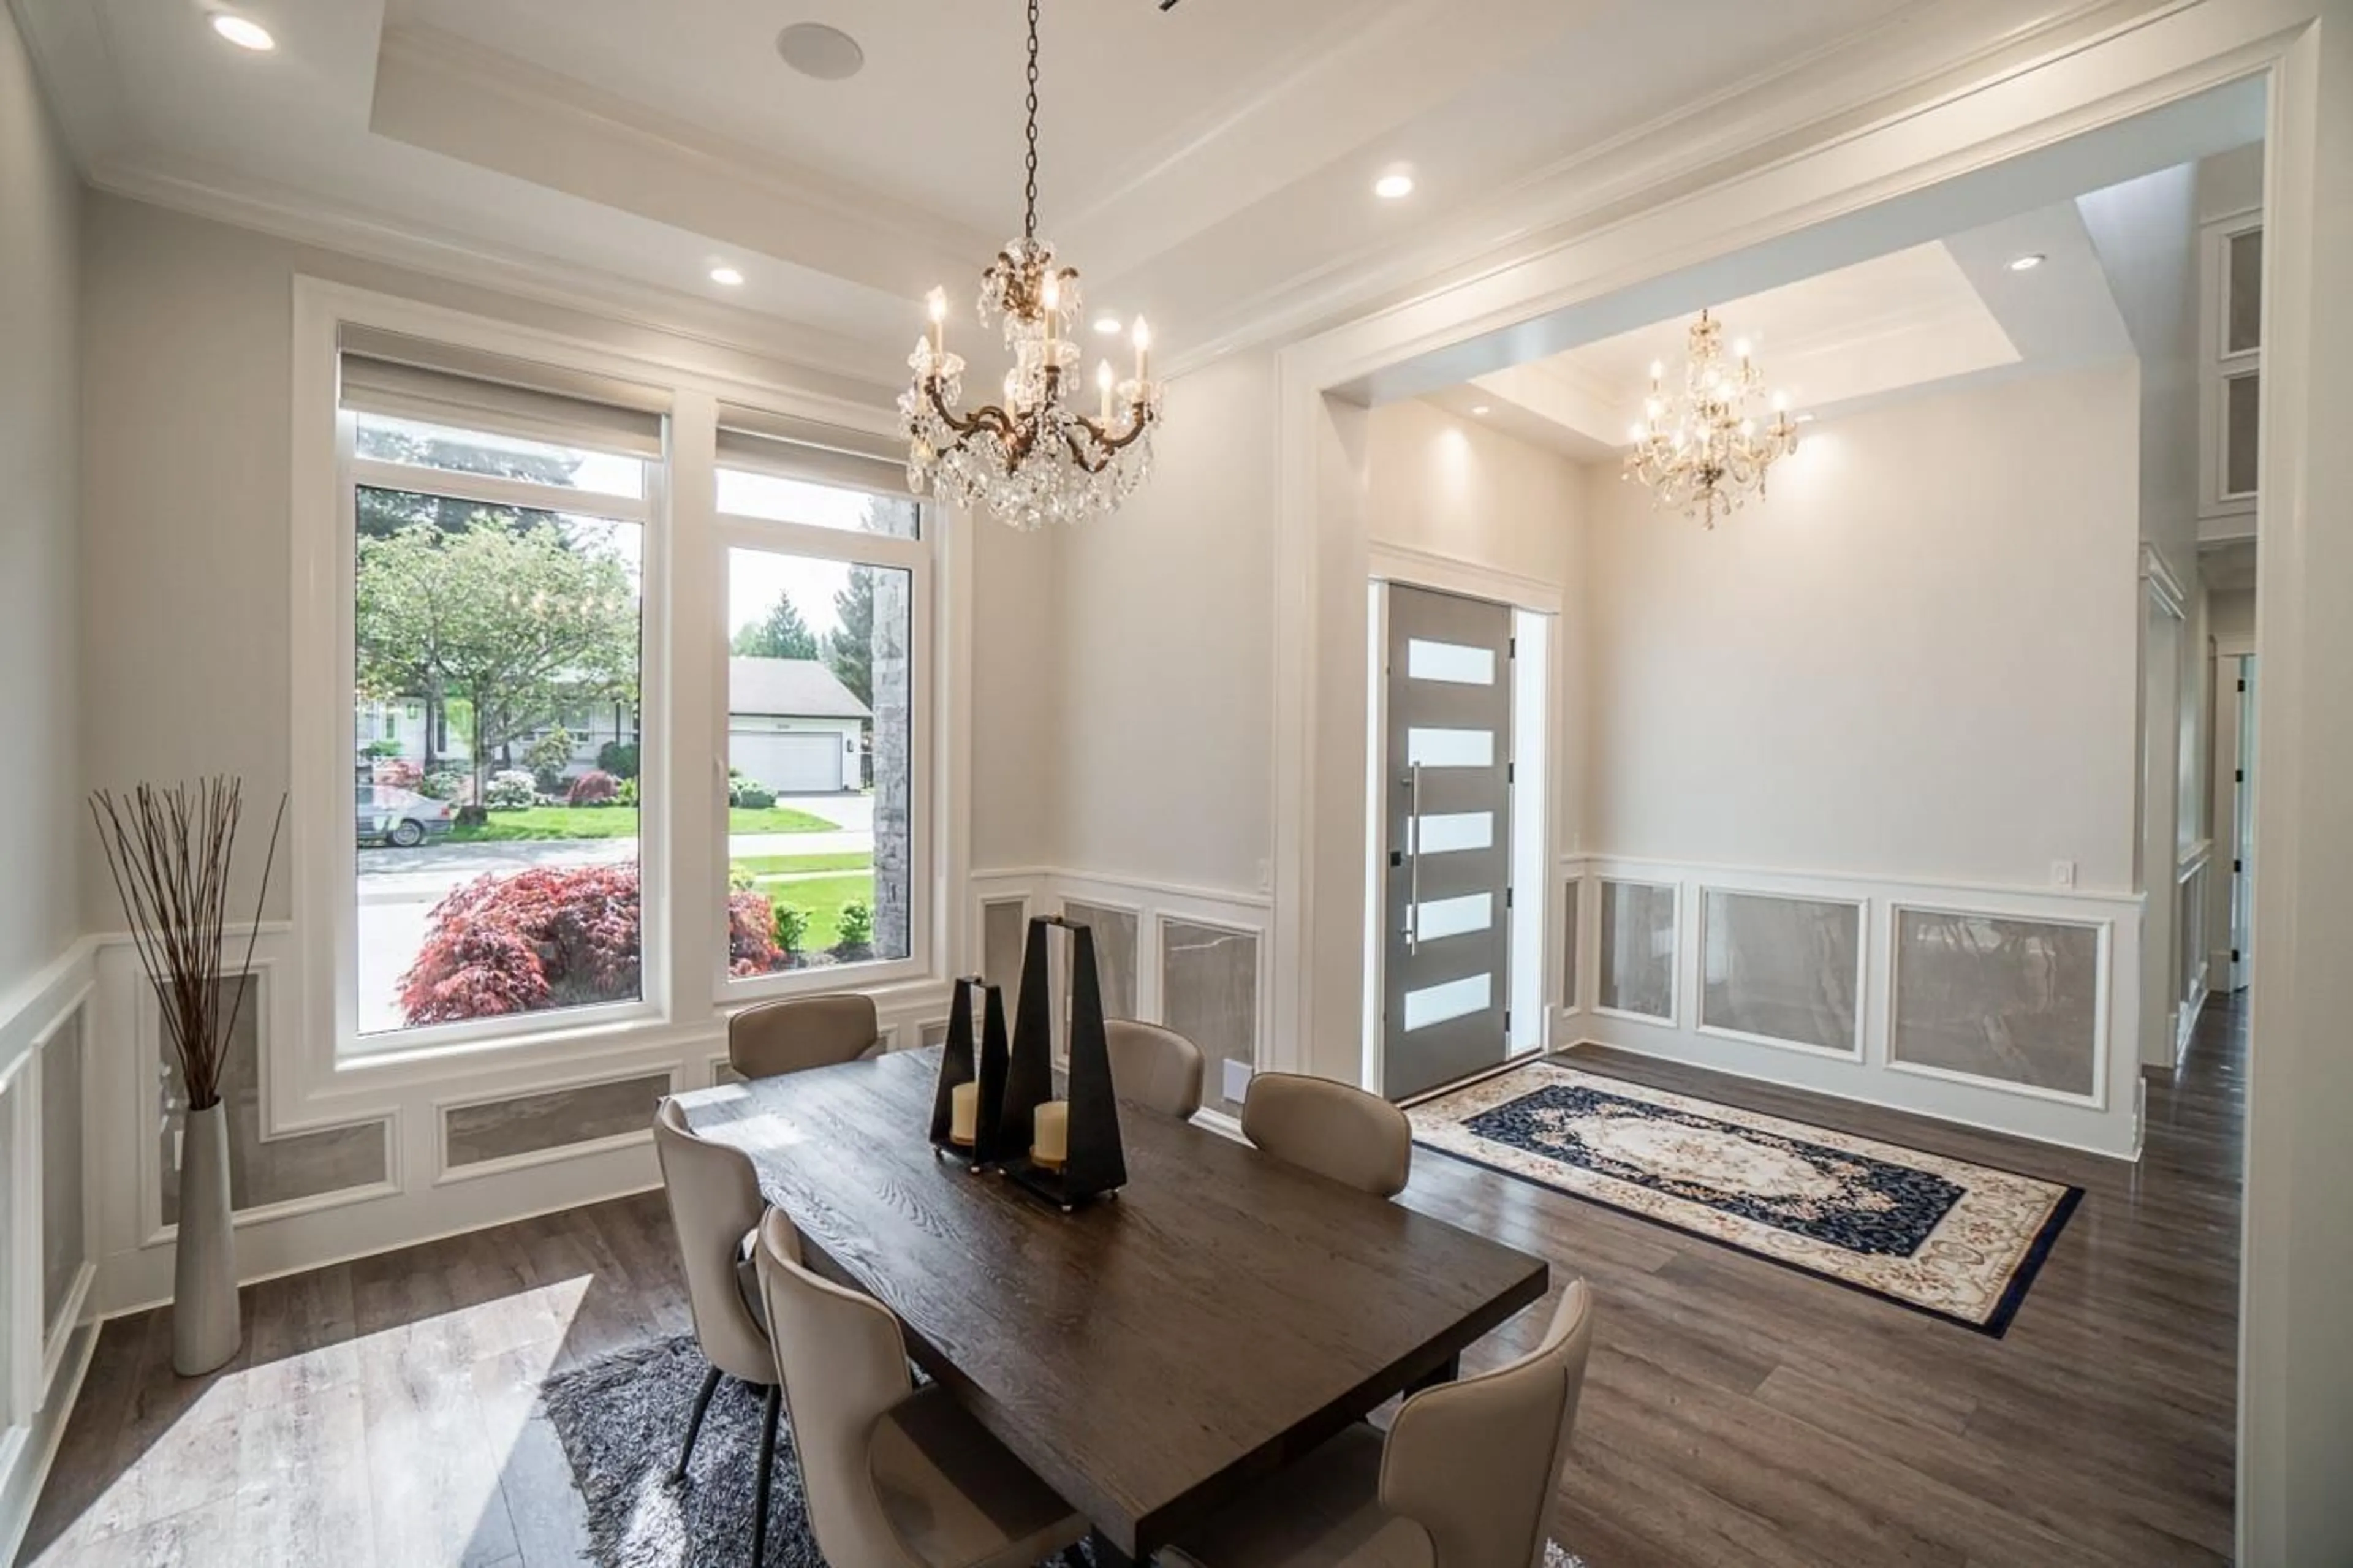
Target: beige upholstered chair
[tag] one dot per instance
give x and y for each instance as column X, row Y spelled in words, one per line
column 1332, row 1128
column 1158, row 1069
column 715, row 1207
column 801, row 1032
column 894, row 1478
column 1465, row 1478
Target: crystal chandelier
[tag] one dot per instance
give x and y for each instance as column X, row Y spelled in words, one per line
column 1031, row 459
column 1702, row 449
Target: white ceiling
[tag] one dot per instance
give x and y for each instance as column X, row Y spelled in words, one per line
column 1210, row 166
column 1933, row 316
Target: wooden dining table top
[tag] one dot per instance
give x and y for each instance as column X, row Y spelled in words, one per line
column 1150, row 1354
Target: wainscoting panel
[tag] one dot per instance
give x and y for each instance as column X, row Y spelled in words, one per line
column 1210, row 994
column 1638, row 950
column 65, row 1239
column 1115, row 934
column 1785, row 971
column 1993, row 1006
column 264, row 1172
column 46, row 1231
column 2013, row 1000
column 935, row 1032
column 505, row 1130
column 1571, row 906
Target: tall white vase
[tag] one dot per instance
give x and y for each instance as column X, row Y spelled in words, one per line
column 206, row 1328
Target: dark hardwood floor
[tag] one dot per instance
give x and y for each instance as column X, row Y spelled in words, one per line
column 384, row 1412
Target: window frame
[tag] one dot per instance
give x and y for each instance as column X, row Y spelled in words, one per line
column 650, row 513
column 736, row 531
column 308, row 1081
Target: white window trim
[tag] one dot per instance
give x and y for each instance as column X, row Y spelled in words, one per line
column 2218, row 364
column 315, row 1077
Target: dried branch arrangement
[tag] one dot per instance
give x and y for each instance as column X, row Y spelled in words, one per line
column 169, row 852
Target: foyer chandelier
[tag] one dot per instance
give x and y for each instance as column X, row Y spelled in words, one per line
column 1701, row 448
column 1031, row 459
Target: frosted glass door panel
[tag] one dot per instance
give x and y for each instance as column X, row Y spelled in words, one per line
column 1449, row 661
column 1450, row 748
column 1442, row 1004
column 1449, row 833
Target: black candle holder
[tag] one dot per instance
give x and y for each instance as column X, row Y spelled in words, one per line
column 1095, row 1164
column 960, row 1064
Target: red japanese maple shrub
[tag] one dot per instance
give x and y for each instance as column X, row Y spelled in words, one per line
column 750, row 934
column 592, row 788
column 515, row 942
column 551, row 937
column 398, row 773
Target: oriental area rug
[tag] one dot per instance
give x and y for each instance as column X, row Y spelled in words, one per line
column 1945, row 1237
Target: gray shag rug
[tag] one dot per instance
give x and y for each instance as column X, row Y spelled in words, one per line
column 621, row 1419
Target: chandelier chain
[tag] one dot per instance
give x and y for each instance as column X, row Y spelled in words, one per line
column 1029, row 213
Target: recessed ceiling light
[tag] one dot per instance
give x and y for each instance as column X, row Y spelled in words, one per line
column 1481, row 410
column 2027, row 263
column 727, row 277
column 1109, row 326
column 814, row 49
column 244, row 32
column 1393, row 187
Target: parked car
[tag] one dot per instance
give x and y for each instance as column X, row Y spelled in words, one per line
column 400, row 817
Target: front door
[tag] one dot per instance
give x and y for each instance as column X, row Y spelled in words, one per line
column 1447, row 839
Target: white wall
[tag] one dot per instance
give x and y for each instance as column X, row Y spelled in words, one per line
column 42, row 828
column 187, row 343
column 1917, row 658
column 1162, row 770
column 2230, row 612
column 1449, row 486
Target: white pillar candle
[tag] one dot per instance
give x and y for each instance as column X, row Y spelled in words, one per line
column 1051, row 1145
column 963, row 1113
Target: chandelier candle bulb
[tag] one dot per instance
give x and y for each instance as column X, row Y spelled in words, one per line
column 1102, row 381
column 939, row 307
column 1142, row 349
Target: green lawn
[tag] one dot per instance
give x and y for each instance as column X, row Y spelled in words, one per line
column 545, row 822
column 821, row 899
column 778, row 865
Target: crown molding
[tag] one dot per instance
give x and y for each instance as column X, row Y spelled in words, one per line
column 864, row 371
column 1832, row 95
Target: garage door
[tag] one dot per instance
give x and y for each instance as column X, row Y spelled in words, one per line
column 789, row 764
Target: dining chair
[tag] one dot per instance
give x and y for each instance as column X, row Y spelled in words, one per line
column 1464, row 1479
column 1158, row 1069
column 893, row 1477
column 715, row 1207
column 1331, row 1128
column 800, row 1032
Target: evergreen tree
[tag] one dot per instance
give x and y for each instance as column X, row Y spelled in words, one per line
column 849, row 646
column 781, row 634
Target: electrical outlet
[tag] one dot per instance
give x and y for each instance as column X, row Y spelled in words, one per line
column 2063, row 873
column 1237, row 1077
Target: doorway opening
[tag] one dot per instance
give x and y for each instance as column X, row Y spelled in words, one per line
column 1457, row 777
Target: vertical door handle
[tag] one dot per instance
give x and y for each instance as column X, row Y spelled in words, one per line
column 1413, row 875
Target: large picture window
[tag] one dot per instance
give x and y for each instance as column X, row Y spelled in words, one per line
column 498, row 586
column 547, row 591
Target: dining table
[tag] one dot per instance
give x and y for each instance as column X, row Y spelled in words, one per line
column 1153, row 1354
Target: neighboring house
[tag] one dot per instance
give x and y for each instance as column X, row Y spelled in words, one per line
column 591, row 725
column 793, row 725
